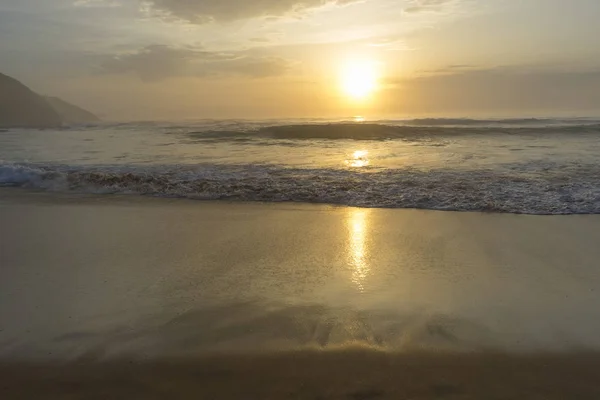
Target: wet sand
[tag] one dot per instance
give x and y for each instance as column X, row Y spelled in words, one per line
column 251, row 300
column 359, row 375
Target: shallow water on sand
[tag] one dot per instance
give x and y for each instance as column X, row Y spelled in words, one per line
column 105, row 277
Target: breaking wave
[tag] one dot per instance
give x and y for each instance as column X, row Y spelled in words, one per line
column 531, row 188
column 379, row 131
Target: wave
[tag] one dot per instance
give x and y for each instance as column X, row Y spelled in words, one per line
column 377, row 131
column 504, row 121
column 412, row 129
column 427, row 122
column 528, row 188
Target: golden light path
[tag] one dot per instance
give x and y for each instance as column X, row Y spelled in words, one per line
column 357, row 223
column 359, row 159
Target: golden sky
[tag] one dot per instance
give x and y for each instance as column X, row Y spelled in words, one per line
column 173, row 59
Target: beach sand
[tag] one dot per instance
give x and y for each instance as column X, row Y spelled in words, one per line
column 129, row 297
column 349, row 375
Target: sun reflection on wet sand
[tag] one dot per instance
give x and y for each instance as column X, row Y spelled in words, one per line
column 357, row 245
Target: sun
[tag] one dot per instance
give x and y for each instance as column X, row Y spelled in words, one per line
column 359, row 79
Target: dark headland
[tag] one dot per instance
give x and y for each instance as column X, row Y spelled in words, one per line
column 20, row 107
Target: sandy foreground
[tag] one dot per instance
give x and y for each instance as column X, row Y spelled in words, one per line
column 128, row 297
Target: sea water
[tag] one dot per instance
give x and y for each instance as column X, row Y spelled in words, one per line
column 536, row 166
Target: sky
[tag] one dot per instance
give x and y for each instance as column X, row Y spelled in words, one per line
column 196, row 59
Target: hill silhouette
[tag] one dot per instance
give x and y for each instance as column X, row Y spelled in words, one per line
column 20, row 107
column 70, row 113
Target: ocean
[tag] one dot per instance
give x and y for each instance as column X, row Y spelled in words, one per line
column 531, row 166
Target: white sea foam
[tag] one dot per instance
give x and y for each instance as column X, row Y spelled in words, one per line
column 534, row 188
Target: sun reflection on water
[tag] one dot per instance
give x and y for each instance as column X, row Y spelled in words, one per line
column 359, row 159
column 358, row 251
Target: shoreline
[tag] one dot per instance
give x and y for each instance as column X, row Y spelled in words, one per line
column 35, row 195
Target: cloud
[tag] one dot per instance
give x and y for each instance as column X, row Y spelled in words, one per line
column 451, row 69
column 259, row 39
column 418, row 6
column 159, row 62
column 387, row 43
column 509, row 89
column 201, row 11
column 97, row 3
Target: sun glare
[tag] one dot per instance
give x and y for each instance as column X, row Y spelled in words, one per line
column 359, row 159
column 359, row 79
